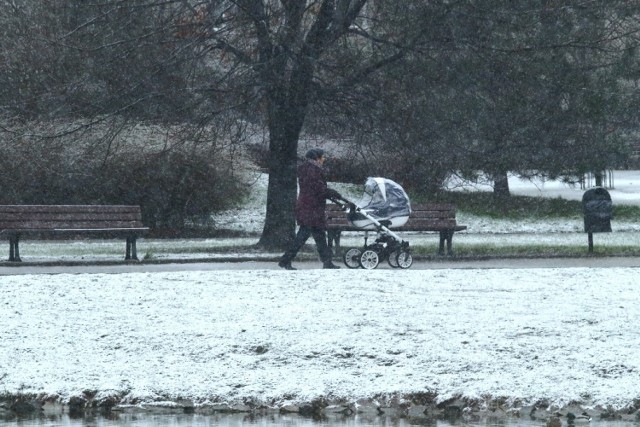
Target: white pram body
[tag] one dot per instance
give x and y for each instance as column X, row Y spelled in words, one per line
column 384, row 206
column 383, row 200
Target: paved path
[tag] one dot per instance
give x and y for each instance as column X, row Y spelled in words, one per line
column 607, row 262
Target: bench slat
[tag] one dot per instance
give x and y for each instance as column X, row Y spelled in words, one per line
column 337, row 224
column 409, row 226
column 337, row 218
column 73, row 230
column 424, row 217
column 52, row 217
column 427, row 226
column 414, row 207
column 433, row 214
column 67, row 224
column 417, row 222
column 69, row 208
column 434, row 228
column 59, row 216
column 331, row 216
column 418, row 225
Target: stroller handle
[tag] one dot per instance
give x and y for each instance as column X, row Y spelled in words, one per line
column 345, row 204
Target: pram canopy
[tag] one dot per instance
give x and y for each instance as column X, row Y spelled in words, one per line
column 385, row 201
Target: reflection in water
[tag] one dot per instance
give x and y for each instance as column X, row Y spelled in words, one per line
column 275, row 420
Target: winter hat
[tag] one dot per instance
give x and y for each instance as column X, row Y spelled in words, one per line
column 314, row 153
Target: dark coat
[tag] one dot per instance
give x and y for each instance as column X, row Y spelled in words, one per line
column 313, row 195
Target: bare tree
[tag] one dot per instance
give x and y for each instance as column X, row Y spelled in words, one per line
column 283, row 47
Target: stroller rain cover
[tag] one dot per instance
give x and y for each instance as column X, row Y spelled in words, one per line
column 383, row 200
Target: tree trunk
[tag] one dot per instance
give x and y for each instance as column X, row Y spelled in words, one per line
column 285, row 124
column 279, row 226
column 598, row 177
column 501, row 186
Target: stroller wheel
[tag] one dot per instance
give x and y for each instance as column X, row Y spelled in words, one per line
column 352, row 258
column 393, row 259
column 369, row 259
column 404, row 259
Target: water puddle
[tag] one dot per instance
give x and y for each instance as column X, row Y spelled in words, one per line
column 275, row 420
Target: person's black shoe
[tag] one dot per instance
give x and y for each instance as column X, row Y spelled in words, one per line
column 330, row 265
column 286, row 265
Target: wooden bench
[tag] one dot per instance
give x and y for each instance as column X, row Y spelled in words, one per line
column 111, row 220
column 440, row 217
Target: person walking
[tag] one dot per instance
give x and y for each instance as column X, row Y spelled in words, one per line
column 310, row 207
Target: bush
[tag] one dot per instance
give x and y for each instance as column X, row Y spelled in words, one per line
column 176, row 188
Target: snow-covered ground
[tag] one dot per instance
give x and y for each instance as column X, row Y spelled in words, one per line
column 545, row 336
column 549, row 337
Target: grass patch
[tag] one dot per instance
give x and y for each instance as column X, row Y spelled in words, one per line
column 626, row 212
column 533, row 251
column 484, row 204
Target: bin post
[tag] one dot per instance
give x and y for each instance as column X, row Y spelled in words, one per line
column 598, row 211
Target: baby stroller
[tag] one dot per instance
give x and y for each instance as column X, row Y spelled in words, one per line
column 383, row 206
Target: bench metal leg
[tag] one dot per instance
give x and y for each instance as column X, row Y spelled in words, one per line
column 131, row 250
column 333, row 236
column 134, row 249
column 441, row 245
column 14, row 248
column 446, row 236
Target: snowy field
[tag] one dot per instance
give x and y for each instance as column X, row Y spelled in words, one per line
column 275, row 336
column 551, row 336
column 278, row 337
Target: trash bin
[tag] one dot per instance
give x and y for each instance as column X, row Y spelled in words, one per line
column 598, row 211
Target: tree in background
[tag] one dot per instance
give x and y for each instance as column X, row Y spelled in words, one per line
column 546, row 82
column 95, row 87
column 409, row 120
column 538, row 88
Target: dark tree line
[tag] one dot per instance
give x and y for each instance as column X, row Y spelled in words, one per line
column 421, row 89
column 536, row 88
